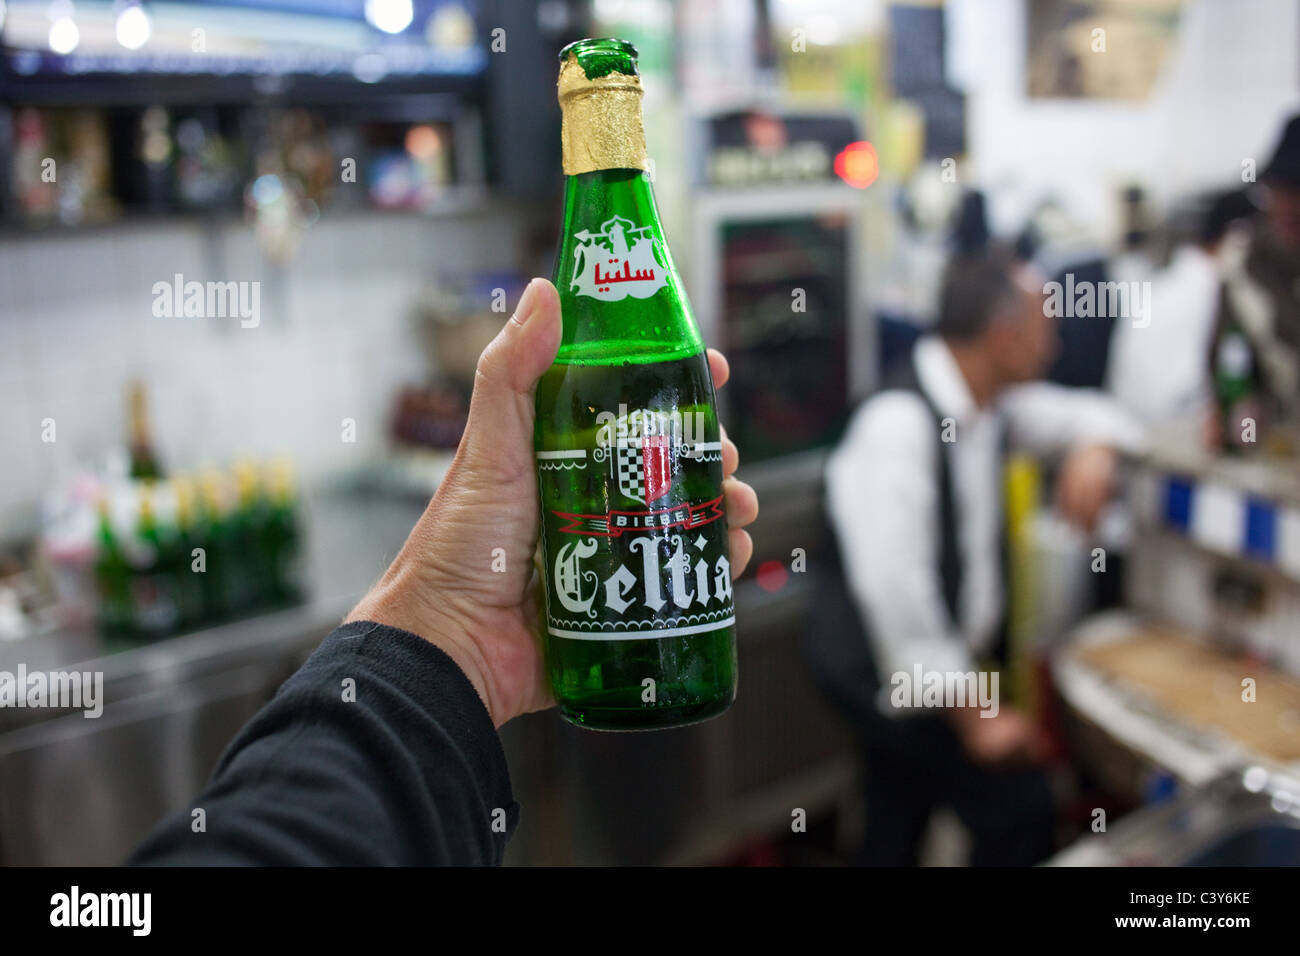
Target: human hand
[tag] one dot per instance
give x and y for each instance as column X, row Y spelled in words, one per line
column 1085, row 484
column 1007, row 739
column 442, row 585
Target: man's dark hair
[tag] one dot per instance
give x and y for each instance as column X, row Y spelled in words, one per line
column 970, row 232
column 1284, row 168
column 1222, row 209
column 975, row 289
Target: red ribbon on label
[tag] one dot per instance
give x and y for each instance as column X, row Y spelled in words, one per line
column 615, row 524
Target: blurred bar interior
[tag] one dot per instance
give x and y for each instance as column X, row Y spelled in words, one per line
column 366, row 187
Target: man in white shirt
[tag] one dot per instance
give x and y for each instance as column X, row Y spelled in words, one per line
column 1159, row 367
column 913, row 499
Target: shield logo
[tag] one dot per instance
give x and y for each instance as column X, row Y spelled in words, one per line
column 644, row 467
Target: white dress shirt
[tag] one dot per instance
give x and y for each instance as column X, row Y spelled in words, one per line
column 883, row 499
column 1159, row 370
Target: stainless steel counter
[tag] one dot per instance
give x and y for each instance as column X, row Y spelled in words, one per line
column 349, row 541
column 1243, row 817
column 75, row 790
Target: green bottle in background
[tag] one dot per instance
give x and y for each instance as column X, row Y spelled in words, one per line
column 282, row 542
column 181, row 545
column 144, row 461
column 211, row 532
column 112, row 579
column 1235, row 385
column 247, row 575
column 640, row 625
column 153, row 576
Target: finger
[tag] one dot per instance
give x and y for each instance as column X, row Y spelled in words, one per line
column 526, row 345
column 719, row 368
column 741, row 549
column 741, row 503
column 499, row 433
column 730, row 455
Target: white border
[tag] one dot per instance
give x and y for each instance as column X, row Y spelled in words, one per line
column 639, row 635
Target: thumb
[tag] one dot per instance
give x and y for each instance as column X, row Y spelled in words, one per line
column 499, row 434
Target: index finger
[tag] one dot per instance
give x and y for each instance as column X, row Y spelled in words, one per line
column 718, row 368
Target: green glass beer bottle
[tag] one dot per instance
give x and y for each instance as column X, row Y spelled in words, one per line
column 113, row 576
column 640, row 627
column 1234, row 385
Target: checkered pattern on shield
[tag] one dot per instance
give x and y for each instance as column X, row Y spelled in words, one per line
column 631, row 469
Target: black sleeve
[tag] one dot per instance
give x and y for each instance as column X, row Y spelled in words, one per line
column 377, row 751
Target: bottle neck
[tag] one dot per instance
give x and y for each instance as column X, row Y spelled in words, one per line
column 139, row 418
column 105, row 522
column 148, row 527
column 600, row 125
column 620, row 294
column 184, row 506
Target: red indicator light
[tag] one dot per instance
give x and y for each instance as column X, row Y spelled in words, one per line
column 772, row 575
column 857, row 164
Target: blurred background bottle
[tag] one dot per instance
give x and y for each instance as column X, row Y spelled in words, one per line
column 112, row 578
column 144, row 463
column 280, row 534
column 1235, row 389
column 189, row 577
column 153, row 576
column 212, row 538
column 247, row 564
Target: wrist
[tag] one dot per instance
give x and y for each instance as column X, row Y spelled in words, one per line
column 395, row 602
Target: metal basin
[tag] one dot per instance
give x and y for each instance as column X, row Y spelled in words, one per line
column 1261, row 845
column 1247, row 817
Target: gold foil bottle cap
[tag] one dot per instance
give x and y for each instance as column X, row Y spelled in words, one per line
column 601, row 124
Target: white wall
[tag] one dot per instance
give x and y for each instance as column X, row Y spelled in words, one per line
column 1229, row 83
column 334, row 341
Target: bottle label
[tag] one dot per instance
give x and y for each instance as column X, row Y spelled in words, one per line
column 156, row 608
column 1234, row 356
column 620, row 260
column 652, row 562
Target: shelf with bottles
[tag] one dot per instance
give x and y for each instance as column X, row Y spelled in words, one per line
column 1230, row 482
column 174, row 555
column 87, row 166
